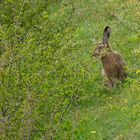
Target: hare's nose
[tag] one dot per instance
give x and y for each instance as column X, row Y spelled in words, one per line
column 95, row 54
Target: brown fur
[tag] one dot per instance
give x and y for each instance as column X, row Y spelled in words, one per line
column 113, row 65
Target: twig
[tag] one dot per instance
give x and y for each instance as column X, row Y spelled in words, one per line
column 18, row 20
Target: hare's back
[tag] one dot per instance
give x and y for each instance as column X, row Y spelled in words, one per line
column 112, row 64
column 112, row 58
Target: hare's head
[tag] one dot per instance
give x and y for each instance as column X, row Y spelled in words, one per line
column 103, row 46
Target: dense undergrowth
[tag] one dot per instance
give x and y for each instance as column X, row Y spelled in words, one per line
column 50, row 86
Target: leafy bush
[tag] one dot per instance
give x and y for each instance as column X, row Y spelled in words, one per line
column 50, row 87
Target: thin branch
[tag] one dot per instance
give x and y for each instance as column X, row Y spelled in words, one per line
column 63, row 113
column 18, row 20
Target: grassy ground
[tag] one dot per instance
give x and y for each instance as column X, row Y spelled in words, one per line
column 106, row 114
column 43, row 64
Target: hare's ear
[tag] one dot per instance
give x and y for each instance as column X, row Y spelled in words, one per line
column 106, row 34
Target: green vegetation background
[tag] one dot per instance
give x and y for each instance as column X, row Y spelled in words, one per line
column 50, row 86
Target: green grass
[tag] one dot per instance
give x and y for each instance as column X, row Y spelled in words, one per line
column 40, row 74
column 106, row 114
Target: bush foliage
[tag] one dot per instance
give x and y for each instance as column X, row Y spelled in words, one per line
column 51, row 87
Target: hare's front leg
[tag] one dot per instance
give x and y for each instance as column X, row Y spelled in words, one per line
column 108, row 82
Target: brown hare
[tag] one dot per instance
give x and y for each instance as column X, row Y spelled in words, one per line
column 113, row 66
